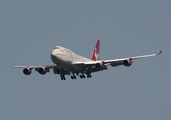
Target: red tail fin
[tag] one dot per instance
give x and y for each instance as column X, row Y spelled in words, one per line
column 96, row 53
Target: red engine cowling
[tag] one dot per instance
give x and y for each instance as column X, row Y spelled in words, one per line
column 42, row 71
column 127, row 62
column 27, row 71
column 99, row 65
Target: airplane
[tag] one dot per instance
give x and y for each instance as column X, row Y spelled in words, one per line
column 66, row 62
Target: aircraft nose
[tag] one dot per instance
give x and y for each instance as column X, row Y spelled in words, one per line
column 53, row 53
column 53, row 56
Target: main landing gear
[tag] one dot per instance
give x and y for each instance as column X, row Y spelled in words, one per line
column 89, row 76
column 74, row 77
column 62, row 76
column 82, row 76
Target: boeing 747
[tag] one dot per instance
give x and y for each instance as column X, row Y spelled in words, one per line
column 66, row 62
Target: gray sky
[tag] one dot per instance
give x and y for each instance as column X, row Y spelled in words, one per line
column 30, row 29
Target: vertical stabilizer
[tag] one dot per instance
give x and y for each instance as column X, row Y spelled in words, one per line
column 96, row 53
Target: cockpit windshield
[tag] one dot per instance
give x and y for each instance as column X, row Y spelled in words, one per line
column 56, row 47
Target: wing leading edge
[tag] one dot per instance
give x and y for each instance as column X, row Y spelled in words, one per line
column 41, row 69
column 115, row 62
column 34, row 67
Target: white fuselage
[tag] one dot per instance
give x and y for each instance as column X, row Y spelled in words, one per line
column 63, row 57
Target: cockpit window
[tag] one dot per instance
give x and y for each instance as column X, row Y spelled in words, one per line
column 56, row 48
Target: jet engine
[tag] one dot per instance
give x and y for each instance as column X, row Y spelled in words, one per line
column 27, row 71
column 127, row 62
column 99, row 65
column 42, row 70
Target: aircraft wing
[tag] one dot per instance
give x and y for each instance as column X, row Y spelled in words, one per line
column 41, row 69
column 34, row 67
column 127, row 61
column 101, row 64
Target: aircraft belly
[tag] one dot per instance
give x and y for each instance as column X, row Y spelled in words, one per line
column 72, row 68
column 64, row 62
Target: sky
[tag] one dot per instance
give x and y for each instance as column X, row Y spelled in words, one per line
column 30, row 29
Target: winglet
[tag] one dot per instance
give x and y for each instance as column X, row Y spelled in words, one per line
column 159, row 52
column 12, row 65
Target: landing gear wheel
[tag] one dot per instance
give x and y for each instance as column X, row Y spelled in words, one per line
column 73, row 77
column 62, row 76
column 89, row 76
column 82, row 76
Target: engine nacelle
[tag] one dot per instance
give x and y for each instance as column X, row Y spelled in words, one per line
column 42, row 71
column 99, row 65
column 127, row 62
column 27, row 71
